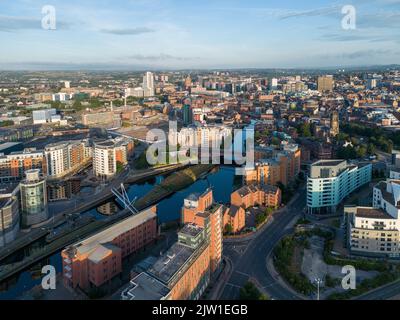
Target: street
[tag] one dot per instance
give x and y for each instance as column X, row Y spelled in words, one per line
column 249, row 257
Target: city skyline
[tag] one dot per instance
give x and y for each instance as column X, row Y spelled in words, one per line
column 140, row 35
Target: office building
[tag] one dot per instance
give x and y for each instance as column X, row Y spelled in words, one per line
column 325, row 84
column 43, row 116
column 330, row 181
column 33, row 199
column 98, row 259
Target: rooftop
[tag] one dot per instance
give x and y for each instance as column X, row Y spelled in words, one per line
column 372, row 213
column 108, row 235
column 145, row 287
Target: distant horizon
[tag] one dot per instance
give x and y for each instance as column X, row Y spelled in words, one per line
column 127, row 68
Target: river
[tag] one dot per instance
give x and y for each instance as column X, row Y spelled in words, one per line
column 222, row 181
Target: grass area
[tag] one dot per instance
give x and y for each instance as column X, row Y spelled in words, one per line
column 173, row 183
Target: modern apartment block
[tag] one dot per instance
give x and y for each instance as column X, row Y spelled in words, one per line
column 375, row 231
column 181, row 273
column 108, row 154
column 9, row 213
column 274, row 166
column 200, row 209
column 14, row 165
column 63, row 157
column 97, row 259
column 331, row 181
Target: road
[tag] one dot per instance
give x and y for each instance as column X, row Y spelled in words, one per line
column 249, row 257
column 383, row 293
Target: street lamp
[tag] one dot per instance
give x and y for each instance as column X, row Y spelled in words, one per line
column 318, row 281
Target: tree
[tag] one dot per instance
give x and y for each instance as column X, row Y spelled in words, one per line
column 228, row 229
column 304, row 130
column 120, row 167
column 250, row 292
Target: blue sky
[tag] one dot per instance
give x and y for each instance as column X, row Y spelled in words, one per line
column 198, row 34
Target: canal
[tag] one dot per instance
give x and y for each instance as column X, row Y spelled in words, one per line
column 222, row 180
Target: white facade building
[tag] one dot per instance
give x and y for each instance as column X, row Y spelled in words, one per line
column 330, row 181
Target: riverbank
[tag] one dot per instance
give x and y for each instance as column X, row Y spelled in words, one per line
column 173, row 183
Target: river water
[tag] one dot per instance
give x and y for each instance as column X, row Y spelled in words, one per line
column 222, row 181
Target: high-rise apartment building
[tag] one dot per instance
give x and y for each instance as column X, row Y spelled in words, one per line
column 108, row 155
column 330, row 181
column 148, row 84
column 204, row 212
column 63, row 157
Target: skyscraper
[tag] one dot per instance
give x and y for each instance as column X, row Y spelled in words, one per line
column 187, row 114
column 148, row 84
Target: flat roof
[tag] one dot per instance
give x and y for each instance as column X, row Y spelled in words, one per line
column 171, row 262
column 115, row 230
column 372, row 213
column 328, row 163
column 191, row 230
column 146, row 287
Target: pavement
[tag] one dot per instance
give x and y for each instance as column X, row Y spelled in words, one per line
column 249, row 256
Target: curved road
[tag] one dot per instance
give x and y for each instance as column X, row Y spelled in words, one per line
column 249, row 257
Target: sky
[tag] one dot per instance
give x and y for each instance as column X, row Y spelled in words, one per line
column 196, row 34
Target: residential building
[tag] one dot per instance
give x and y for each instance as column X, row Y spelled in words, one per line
column 331, row 181
column 64, row 157
column 110, row 155
column 181, row 273
column 375, row 231
column 98, row 259
column 201, row 210
column 14, row 165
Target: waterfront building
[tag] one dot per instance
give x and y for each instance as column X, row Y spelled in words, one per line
column 110, row 155
column 330, row 181
column 33, row 199
column 9, row 213
column 64, row 157
column 274, row 166
column 14, row 165
column 201, row 210
column 181, row 273
column 96, row 260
